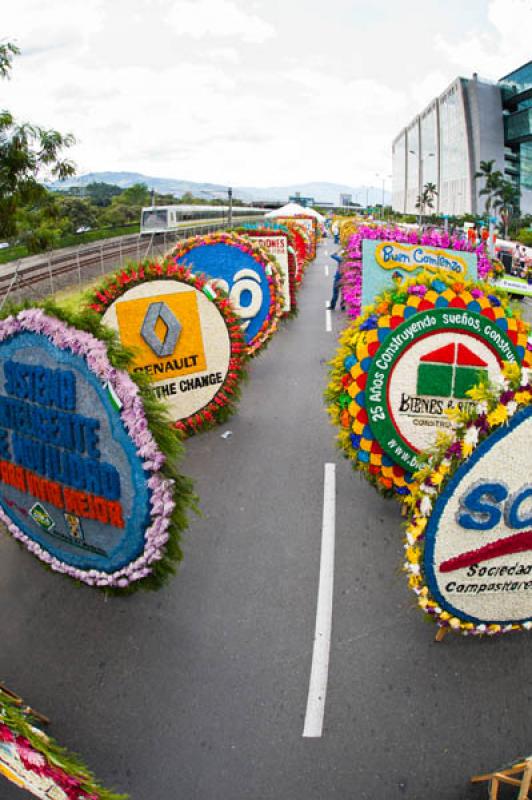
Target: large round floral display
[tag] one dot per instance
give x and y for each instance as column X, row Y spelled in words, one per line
column 248, row 274
column 414, row 356
column 184, row 335
column 277, row 243
column 469, row 538
column 84, row 484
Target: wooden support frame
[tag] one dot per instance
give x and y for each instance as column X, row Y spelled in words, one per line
column 22, row 705
column 441, row 634
column 510, row 776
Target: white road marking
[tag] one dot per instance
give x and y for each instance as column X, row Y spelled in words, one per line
column 328, row 318
column 326, row 268
column 317, row 691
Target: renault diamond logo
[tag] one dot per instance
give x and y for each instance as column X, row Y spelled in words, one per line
column 155, row 312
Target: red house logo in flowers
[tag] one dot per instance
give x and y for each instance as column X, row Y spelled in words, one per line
column 450, row 371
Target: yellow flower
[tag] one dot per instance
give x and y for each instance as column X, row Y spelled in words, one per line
column 498, row 415
column 413, row 554
column 479, row 393
column 417, row 527
column 467, row 449
column 410, row 500
column 522, row 397
column 511, row 371
column 453, row 413
column 437, row 478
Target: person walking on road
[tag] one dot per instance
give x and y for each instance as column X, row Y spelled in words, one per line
column 337, row 282
column 521, row 255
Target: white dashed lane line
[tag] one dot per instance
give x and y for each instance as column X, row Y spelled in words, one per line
column 319, row 672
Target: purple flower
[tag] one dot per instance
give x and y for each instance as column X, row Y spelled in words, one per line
column 454, row 450
column 418, row 289
column 369, row 324
column 506, row 396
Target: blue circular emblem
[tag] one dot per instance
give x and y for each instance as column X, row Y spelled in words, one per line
column 70, row 476
column 239, row 274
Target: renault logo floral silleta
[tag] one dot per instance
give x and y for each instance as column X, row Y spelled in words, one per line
column 156, row 312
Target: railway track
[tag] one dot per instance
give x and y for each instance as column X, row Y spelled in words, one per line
column 38, row 277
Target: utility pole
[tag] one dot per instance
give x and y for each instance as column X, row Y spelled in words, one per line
column 152, row 197
column 230, row 216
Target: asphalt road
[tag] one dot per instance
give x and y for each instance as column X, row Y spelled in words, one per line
column 199, row 692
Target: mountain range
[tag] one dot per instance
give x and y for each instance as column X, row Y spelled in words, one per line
column 319, row 190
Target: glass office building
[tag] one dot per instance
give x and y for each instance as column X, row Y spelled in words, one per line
column 516, row 91
column 473, row 120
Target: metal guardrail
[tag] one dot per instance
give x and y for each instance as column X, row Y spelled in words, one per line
column 36, row 278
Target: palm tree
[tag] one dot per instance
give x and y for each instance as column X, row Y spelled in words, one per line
column 420, row 205
column 430, row 193
column 506, row 200
column 426, row 199
column 492, row 181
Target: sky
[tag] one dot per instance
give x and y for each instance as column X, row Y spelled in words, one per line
column 248, row 92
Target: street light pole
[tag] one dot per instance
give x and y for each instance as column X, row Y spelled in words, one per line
column 383, row 176
column 230, row 214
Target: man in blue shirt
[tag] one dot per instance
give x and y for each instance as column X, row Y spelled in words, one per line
column 336, row 283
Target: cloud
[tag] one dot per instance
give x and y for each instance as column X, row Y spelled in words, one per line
column 217, row 18
column 492, row 53
column 39, row 27
column 245, row 91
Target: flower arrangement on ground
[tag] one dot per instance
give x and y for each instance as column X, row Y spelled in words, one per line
column 228, row 259
column 222, row 398
column 352, row 270
column 34, row 761
column 65, row 454
column 280, row 231
column 411, row 356
column 468, row 548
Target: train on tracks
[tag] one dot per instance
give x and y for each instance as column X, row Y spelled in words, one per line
column 166, row 219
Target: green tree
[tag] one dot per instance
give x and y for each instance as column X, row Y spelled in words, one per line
column 100, row 193
column 492, row 180
column 426, row 199
column 40, row 225
column 77, row 213
column 430, row 193
column 26, row 151
column 188, row 199
column 506, row 201
column 118, row 214
column 136, row 195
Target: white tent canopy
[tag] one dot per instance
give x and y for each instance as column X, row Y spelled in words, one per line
column 294, row 210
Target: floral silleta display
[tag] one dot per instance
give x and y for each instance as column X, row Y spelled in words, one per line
column 310, row 223
column 88, row 477
column 35, row 762
column 468, row 548
column 243, row 269
column 413, row 355
column 302, row 242
column 294, row 248
column 352, row 266
column 285, row 256
column 209, row 313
